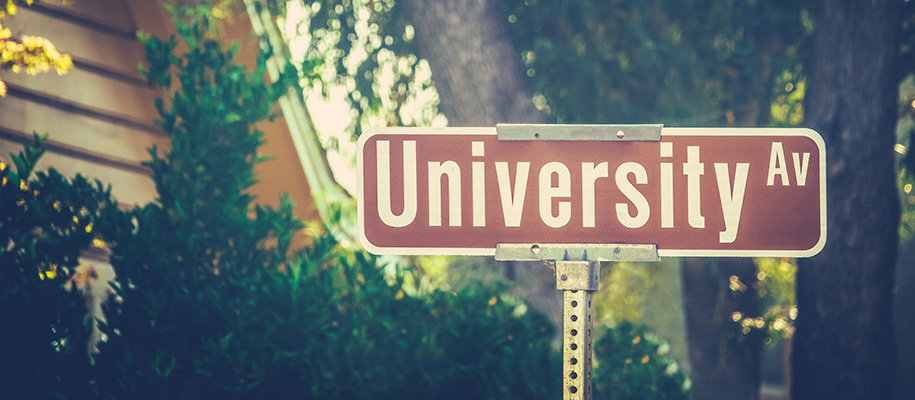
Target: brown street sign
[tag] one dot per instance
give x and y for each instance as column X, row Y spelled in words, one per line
column 693, row 192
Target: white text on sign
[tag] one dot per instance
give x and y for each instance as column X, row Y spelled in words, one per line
column 554, row 188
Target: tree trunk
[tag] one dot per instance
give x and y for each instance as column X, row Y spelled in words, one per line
column 724, row 363
column 475, row 67
column 844, row 345
column 477, row 74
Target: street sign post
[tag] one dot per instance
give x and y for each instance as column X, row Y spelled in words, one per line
column 575, row 195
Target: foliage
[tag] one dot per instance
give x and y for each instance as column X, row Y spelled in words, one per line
column 366, row 46
column 905, row 180
column 907, row 101
column 635, row 364
column 31, row 53
column 216, row 305
column 905, row 156
column 905, row 130
column 336, row 328
column 46, row 221
column 696, row 62
column 188, row 265
column 775, row 288
column 787, row 109
column 642, row 293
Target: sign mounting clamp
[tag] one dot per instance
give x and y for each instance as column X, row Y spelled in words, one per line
column 614, row 133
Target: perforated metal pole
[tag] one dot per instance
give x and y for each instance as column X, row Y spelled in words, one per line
column 578, row 280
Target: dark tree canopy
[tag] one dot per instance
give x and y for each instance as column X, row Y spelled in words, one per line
column 694, row 62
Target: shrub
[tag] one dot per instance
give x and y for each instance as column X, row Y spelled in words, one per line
column 635, row 364
column 46, row 222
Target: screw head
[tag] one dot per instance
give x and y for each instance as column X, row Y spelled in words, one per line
column 564, row 277
column 617, row 250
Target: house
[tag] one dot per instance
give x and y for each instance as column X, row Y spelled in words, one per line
column 100, row 116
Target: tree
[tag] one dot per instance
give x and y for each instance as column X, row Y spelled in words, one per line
column 724, row 360
column 844, row 344
column 478, row 75
column 31, row 53
column 474, row 63
column 678, row 63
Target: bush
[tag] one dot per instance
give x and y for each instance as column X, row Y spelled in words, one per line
column 634, row 364
column 335, row 328
column 46, row 222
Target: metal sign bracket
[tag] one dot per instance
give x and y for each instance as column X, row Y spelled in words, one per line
column 577, row 269
column 552, row 132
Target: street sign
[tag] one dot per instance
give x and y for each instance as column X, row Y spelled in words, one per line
column 692, row 191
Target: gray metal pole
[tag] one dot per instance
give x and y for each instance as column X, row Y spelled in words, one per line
column 578, row 280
